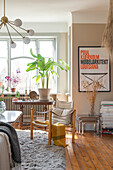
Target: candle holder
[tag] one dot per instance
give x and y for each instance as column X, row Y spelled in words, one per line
column 25, row 95
column 25, row 92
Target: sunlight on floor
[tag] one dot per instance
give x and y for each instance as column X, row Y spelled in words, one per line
column 69, row 136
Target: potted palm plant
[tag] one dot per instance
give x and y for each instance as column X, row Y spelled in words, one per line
column 44, row 69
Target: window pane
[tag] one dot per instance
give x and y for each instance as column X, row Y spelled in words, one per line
column 3, row 49
column 22, row 49
column 26, row 77
column 46, row 48
column 3, row 60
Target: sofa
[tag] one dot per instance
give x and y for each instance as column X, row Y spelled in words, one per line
column 5, row 157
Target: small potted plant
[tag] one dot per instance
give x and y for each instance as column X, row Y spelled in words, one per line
column 44, row 69
column 14, row 80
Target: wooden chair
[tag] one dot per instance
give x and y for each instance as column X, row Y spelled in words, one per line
column 36, row 124
column 53, row 113
column 73, row 114
column 64, row 113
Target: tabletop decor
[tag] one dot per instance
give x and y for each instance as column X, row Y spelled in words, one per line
column 33, row 95
column 44, row 69
column 14, row 80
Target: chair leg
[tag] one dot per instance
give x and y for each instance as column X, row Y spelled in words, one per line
column 73, row 130
column 31, row 123
column 31, row 131
column 83, row 126
column 50, row 128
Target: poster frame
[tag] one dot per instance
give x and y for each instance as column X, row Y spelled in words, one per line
column 79, row 81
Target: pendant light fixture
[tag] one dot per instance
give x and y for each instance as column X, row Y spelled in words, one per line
column 17, row 23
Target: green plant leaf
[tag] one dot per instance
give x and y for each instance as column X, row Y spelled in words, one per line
column 17, row 94
column 64, row 63
column 34, row 76
column 33, row 63
column 1, row 99
column 41, row 74
column 7, row 89
column 9, row 95
column 38, row 78
column 54, row 72
column 30, row 68
column 32, row 53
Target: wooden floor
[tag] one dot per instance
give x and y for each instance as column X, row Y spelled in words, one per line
column 89, row 152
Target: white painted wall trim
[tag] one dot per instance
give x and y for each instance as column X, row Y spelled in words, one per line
column 97, row 17
column 42, row 27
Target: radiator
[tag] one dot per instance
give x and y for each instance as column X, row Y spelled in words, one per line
column 26, row 110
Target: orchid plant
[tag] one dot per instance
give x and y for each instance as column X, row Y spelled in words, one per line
column 15, row 79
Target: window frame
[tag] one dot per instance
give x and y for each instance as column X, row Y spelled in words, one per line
column 36, row 39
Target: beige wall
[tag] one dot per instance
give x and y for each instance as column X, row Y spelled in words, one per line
column 63, row 56
column 86, row 35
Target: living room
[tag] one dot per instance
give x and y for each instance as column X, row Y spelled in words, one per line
column 60, row 32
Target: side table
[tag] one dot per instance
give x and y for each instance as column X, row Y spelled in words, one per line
column 83, row 119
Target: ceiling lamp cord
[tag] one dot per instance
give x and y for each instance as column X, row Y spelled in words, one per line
column 4, row 21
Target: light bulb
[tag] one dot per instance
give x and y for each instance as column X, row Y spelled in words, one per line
column 26, row 40
column 18, row 22
column 30, row 32
column 13, row 44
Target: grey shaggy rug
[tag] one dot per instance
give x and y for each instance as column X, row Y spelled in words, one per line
column 37, row 154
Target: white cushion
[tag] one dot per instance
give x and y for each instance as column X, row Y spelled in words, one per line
column 55, row 118
column 66, row 113
column 58, row 111
column 64, row 104
column 62, row 112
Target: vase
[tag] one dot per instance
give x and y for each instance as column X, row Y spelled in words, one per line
column 13, row 89
column 92, row 108
column 2, row 107
column 44, row 94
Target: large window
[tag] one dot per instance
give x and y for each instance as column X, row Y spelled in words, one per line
column 19, row 57
column 3, row 59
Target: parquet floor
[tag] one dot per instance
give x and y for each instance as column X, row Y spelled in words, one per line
column 89, row 152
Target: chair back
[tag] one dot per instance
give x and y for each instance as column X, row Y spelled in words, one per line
column 63, row 110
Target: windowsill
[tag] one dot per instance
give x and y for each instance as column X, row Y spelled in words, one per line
column 14, row 93
column 67, row 94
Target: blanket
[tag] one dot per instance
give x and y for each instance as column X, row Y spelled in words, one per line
column 13, row 139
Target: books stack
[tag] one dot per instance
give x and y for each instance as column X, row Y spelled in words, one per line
column 106, row 112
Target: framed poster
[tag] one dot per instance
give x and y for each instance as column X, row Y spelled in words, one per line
column 94, row 66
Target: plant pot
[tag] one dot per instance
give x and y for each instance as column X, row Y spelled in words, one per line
column 13, row 89
column 44, row 94
column 14, row 99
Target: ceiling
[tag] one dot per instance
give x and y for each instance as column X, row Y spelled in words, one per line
column 50, row 10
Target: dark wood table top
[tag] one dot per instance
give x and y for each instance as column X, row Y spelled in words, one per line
column 35, row 102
